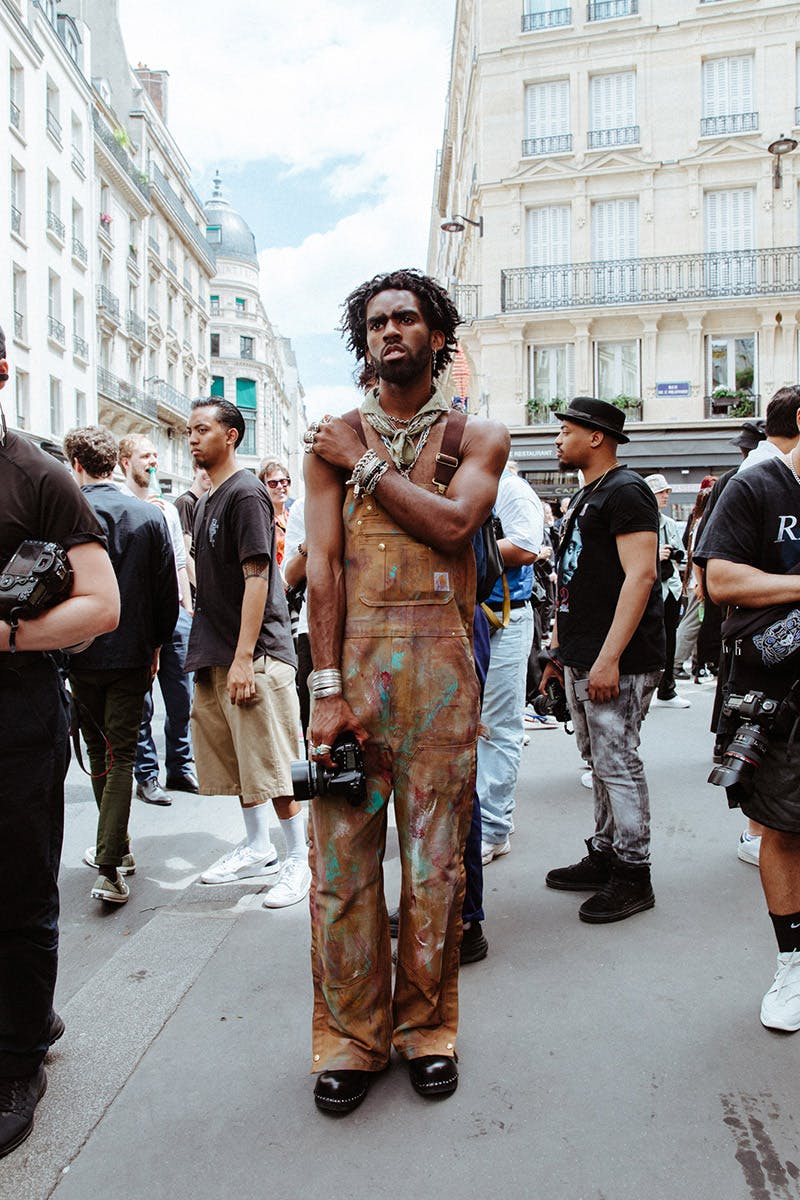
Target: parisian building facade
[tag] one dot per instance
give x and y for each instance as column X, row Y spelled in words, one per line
column 105, row 300
column 626, row 194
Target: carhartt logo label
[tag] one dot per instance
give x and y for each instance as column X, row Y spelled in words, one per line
column 441, row 581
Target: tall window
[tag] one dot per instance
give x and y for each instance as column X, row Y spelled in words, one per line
column 729, row 219
column 550, row 380
column 247, row 403
column 17, row 95
column 17, row 199
column 612, row 110
column 55, row 328
column 53, row 112
column 547, row 118
column 22, row 398
column 728, row 96
column 241, row 307
column 20, row 302
column 80, row 408
column 615, row 250
column 56, row 413
column 76, row 131
column 545, row 14
column 215, row 345
column 54, row 222
column 617, row 372
column 731, row 373
column 549, row 248
column 246, row 345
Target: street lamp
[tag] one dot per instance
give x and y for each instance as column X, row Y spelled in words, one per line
column 782, row 146
column 457, row 222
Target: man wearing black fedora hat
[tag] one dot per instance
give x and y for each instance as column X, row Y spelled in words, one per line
column 608, row 650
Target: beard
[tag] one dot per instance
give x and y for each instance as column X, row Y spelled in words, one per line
column 140, row 477
column 405, row 370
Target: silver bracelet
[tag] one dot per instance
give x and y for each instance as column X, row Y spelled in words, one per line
column 324, row 693
column 367, row 473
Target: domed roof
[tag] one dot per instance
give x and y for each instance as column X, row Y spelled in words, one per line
column 235, row 238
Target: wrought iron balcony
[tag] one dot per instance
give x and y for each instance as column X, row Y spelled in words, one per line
column 187, row 283
column 16, row 220
column 56, row 331
column 730, row 123
column 123, row 392
column 154, row 246
column 667, row 280
column 79, row 250
column 79, row 162
column 604, row 10
column 19, row 324
column 625, row 135
column 107, row 302
column 546, row 20
column 178, row 210
column 55, row 224
column 15, row 116
column 558, row 143
column 214, row 309
column 171, row 398
column 54, row 125
column 138, row 178
column 543, row 412
column 466, row 297
column 80, row 346
column 726, row 404
column 136, row 327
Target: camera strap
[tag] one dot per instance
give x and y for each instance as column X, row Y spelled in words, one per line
column 77, row 711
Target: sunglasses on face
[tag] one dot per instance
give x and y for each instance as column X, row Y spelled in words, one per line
column 273, row 483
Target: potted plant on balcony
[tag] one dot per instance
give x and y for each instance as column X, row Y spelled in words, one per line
column 745, row 405
column 541, row 410
column 722, row 398
column 626, row 403
column 105, row 220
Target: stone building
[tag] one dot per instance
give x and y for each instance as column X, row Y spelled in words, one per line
column 622, row 197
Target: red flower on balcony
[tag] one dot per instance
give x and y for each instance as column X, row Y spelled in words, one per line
column 105, row 218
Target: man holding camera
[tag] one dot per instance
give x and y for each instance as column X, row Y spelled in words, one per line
column 751, row 552
column 245, row 714
column 390, row 513
column 607, row 649
column 41, row 502
column 670, row 552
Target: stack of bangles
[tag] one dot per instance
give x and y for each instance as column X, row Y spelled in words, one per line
column 367, row 473
column 326, row 683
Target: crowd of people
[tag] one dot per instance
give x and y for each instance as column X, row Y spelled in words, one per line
column 348, row 622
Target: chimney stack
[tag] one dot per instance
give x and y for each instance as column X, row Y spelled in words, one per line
column 155, row 84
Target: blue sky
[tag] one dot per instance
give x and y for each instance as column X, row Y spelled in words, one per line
column 324, row 123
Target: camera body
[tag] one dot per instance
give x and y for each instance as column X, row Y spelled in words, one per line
column 552, row 702
column 756, row 713
column 36, row 578
column 345, row 780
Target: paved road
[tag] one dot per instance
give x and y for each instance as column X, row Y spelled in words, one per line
column 597, row 1062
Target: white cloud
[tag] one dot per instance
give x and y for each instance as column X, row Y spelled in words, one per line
column 334, row 400
column 357, row 85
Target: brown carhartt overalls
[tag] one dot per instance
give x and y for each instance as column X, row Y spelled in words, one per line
column 409, row 676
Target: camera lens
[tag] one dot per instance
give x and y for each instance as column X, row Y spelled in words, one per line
column 304, row 779
column 743, row 757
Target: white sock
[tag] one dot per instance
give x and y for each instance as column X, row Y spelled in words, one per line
column 256, row 824
column 294, row 830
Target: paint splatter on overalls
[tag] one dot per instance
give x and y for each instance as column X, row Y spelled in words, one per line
column 409, row 676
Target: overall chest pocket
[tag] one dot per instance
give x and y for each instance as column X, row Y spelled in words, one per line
column 392, row 571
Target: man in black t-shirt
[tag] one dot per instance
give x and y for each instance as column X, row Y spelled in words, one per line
column 186, row 503
column 608, row 651
column 751, row 551
column 40, row 501
column 245, row 714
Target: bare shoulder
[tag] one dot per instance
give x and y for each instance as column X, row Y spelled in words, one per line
column 487, row 440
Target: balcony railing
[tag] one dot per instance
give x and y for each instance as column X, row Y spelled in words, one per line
column 558, row 143
column 187, row 283
column 80, row 346
column 79, row 250
column 625, row 135
column 214, row 309
column 56, row 331
column 19, row 324
column 123, row 392
column 665, row 280
column 107, row 301
column 178, row 210
column 730, row 123
column 546, row 20
column 604, row 10
column 138, row 178
column 738, row 404
column 171, row 398
column 55, row 224
column 16, row 220
column 15, row 116
column 54, row 125
column 172, row 266
column 78, row 161
column 466, row 297
column 136, row 327
column 543, row 412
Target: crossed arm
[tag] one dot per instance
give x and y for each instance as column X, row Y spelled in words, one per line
column 91, row 609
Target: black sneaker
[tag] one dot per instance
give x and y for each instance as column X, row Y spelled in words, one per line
column 394, row 922
column 18, row 1100
column 586, row 876
column 474, row 946
column 628, row 891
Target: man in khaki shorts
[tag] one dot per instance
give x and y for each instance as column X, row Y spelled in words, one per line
column 245, row 715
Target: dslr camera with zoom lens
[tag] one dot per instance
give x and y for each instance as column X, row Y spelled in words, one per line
column 345, row 780
column 745, row 752
column 552, row 702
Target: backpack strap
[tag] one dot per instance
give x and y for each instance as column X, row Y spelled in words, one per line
column 447, row 460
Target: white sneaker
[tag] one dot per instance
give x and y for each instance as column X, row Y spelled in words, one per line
column 292, row 886
column 490, row 850
column 780, row 1008
column 673, row 702
column 242, row 863
column 126, row 867
column 749, row 848
column 587, row 780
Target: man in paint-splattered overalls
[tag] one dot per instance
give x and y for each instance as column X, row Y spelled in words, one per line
column 391, row 582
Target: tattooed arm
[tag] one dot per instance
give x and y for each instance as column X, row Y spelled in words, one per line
column 241, row 676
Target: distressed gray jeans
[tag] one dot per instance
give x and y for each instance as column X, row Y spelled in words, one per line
column 608, row 739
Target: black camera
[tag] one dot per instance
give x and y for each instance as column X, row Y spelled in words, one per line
column 552, row 702
column 36, row 578
column 345, row 780
column 745, row 752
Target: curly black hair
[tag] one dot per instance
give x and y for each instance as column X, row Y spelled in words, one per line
column 435, row 304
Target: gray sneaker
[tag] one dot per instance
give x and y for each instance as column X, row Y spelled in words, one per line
column 126, row 867
column 113, row 891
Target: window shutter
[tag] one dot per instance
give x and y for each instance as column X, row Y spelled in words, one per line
column 615, row 229
column 549, row 236
column 547, row 109
column 612, row 101
column 730, row 220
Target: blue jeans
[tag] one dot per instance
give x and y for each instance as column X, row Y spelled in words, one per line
column 176, row 688
column 503, row 712
column 608, row 739
column 33, row 716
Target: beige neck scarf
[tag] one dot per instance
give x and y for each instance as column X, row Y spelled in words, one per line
column 400, row 442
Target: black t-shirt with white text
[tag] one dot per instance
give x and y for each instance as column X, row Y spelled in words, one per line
column 757, row 520
column 234, row 523
column 590, row 574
